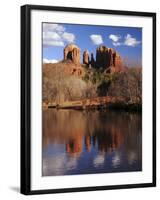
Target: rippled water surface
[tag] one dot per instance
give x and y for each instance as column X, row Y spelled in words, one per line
column 84, row 142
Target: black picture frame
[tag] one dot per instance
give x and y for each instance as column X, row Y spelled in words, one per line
column 26, row 98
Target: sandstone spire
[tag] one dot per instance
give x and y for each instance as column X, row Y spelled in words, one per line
column 86, row 57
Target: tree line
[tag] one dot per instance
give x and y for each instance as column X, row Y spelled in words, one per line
column 60, row 87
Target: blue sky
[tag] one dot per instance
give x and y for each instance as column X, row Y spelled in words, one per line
column 126, row 40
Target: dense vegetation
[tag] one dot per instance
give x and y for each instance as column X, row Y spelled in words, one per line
column 60, row 87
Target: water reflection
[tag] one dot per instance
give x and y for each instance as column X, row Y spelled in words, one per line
column 83, row 142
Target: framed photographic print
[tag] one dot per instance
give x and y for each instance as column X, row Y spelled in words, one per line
column 88, row 99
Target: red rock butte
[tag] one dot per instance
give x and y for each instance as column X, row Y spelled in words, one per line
column 106, row 58
column 72, row 52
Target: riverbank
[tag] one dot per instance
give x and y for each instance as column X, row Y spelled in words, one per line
column 96, row 103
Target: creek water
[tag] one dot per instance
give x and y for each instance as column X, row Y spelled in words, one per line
column 89, row 142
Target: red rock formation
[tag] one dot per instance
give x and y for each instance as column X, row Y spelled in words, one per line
column 118, row 60
column 74, row 145
column 86, row 57
column 73, row 69
column 72, row 52
column 102, row 57
column 92, row 62
column 108, row 58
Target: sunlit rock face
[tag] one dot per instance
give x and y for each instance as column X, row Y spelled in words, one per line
column 86, row 57
column 72, row 60
column 106, row 59
column 72, row 52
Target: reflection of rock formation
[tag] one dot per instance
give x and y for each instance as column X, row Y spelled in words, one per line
column 88, row 142
column 74, row 145
column 88, row 130
column 54, row 122
column 104, row 138
column 72, row 52
column 109, row 140
column 106, row 142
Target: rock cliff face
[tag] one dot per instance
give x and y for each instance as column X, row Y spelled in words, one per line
column 107, row 58
column 72, row 52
